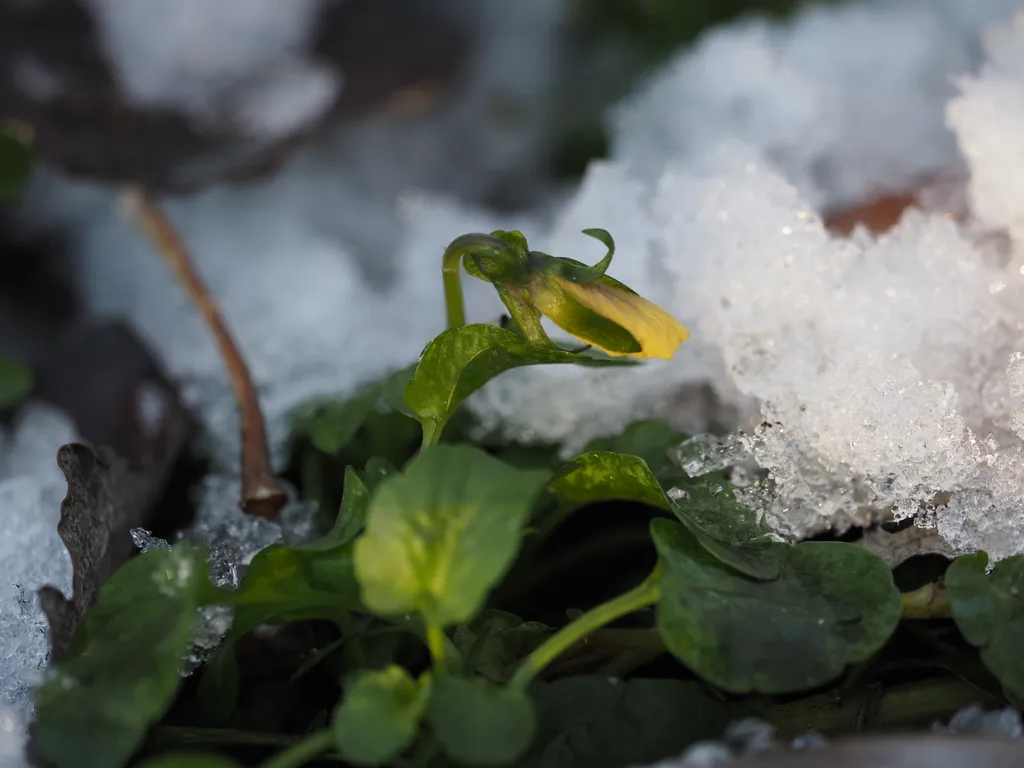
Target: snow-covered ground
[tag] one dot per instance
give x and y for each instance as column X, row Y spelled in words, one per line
column 887, row 367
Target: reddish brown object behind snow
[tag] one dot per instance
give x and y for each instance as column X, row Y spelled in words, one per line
column 878, row 214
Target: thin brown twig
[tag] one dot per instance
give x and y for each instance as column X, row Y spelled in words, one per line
column 262, row 495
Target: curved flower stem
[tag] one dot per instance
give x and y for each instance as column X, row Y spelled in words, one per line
column 498, row 263
column 455, row 305
column 639, row 597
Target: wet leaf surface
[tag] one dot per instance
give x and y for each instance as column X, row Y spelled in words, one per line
column 122, row 670
column 989, row 611
column 461, row 360
column 722, row 525
column 833, row 604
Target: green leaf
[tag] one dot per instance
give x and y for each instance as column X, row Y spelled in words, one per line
column 16, row 382
column 122, row 669
column 495, row 643
column 313, row 580
column 380, row 716
column 461, row 360
column 600, row 722
column 478, row 723
column 723, row 526
column 650, row 440
column 190, row 760
column 442, row 533
column 15, row 164
column 833, row 604
column 355, row 501
column 330, row 424
column 989, row 612
column 282, row 584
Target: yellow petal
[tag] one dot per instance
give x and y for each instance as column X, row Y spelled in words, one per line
column 655, row 330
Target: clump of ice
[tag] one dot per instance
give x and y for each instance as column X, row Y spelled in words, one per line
column 233, row 539
column 748, row 737
column 33, row 555
column 976, row 720
column 245, row 62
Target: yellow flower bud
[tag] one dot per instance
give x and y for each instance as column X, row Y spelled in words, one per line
column 609, row 316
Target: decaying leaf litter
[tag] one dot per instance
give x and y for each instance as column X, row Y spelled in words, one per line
column 716, row 549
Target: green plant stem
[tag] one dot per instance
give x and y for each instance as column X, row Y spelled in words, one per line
column 302, row 751
column 431, row 434
column 455, row 306
column 436, row 645
column 639, row 597
column 929, row 602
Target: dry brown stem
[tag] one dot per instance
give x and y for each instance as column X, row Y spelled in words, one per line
column 262, row 495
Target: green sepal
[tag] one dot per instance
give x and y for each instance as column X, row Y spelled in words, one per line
column 570, row 269
column 525, row 317
column 587, row 325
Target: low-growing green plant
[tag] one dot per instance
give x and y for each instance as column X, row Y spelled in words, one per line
column 421, row 544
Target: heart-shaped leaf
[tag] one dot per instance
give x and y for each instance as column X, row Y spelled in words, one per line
column 460, row 361
column 989, row 611
column 479, row 723
column 380, row 716
column 122, row 669
column 833, row 604
column 442, row 533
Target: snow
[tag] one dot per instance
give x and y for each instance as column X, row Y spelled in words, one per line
column 846, row 100
column 33, row 556
column 230, row 60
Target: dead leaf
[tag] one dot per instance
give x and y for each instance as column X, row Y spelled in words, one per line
column 112, row 388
